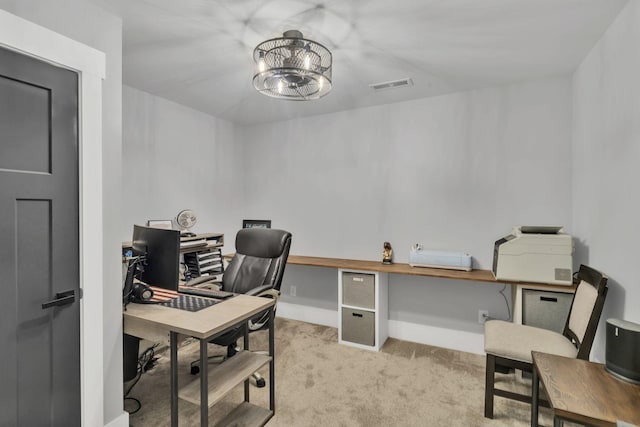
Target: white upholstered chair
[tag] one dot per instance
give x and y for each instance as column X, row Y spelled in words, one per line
column 509, row 345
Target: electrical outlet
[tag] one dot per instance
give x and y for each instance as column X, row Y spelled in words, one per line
column 292, row 291
column 483, row 316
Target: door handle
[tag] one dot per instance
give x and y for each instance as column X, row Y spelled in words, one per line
column 62, row 298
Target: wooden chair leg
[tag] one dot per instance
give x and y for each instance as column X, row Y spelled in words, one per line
column 489, row 385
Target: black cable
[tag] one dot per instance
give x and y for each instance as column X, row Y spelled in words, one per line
column 136, row 401
column 146, row 361
column 505, row 300
column 126, row 395
column 134, row 382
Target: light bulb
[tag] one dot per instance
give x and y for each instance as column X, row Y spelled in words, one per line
column 280, row 86
column 307, row 61
column 320, row 83
column 261, row 63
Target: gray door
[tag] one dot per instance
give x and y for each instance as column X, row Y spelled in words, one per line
column 39, row 346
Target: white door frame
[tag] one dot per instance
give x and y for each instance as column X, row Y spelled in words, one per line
column 30, row 39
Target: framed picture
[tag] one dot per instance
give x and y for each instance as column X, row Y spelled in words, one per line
column 166, row 224
column 256, row 223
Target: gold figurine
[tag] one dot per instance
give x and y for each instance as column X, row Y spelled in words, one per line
column 387, row 254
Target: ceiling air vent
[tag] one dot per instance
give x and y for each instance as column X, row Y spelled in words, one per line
column 391, row 85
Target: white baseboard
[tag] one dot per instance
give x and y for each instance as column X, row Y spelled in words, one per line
column 454, row 339
column 305, row 313
column 121, row 421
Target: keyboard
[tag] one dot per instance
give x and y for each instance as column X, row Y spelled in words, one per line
column 203, row 292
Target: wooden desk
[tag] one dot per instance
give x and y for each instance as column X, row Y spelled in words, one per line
column 155, row 321
column 401, row 268
column 584, row 392
column 380, row 271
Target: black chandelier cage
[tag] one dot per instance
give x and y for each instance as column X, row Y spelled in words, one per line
column 292, row 67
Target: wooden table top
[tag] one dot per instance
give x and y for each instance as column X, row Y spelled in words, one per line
column 199, row 324
column 401, row 268
column 585, row 392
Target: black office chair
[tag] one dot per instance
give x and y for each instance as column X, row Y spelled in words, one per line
column 256, row 269
column 509, row 345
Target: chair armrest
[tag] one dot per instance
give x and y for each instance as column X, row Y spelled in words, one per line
column 260, row 290
column 266, row 292
column 270, row 293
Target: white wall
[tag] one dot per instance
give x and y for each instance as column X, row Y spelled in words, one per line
column 606, row 153
column 454, row 172
column 94, row 27
column 178, row 158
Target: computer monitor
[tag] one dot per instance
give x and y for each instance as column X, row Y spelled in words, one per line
column 162, row 249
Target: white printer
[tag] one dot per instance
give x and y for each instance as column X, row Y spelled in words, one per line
column 538, row 254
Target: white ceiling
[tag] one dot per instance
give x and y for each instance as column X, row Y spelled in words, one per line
column 199, row 52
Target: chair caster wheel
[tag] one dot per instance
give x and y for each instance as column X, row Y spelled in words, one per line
column 260, row 383
column 195, row 370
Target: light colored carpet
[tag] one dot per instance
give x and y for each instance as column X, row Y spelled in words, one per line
column 322, row 383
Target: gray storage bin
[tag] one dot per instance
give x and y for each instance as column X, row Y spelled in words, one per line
column 358, row 326
column 358, row 290
column 544, row 309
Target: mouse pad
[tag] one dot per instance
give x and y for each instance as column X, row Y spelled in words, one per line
column 189, row 303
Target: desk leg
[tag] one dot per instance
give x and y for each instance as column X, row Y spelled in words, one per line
column 204, row 384
column 272, row 364
column 245, row 344
column 535, row 395
column 173, row 344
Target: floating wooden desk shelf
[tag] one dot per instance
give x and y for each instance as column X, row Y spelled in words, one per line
column 402, row 268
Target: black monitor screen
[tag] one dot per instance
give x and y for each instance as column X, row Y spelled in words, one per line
column 163, row 251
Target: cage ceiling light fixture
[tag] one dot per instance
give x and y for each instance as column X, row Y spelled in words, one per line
column 292, row 67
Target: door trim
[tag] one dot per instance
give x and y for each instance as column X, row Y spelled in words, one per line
column 33, row 40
